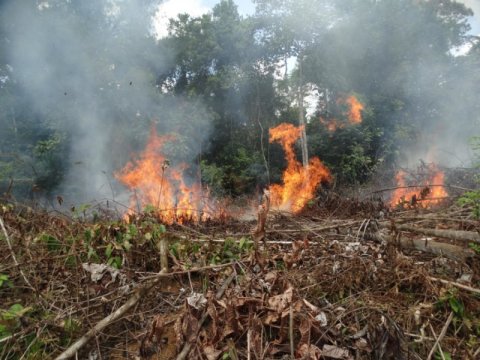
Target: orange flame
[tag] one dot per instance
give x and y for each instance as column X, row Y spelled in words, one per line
column 425, row 196
column 155, row 183
column 354, row 114
column 356, row 107
column 299, row 183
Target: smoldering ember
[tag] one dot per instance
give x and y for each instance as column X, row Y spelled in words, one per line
column 240, row 179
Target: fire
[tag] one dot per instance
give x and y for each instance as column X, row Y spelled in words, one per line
column 356, row 107
column 424, row 196
column 354, row 114
column 155, row 183
column 299, row 183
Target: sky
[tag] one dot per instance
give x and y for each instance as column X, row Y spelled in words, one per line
column 244, row 6
column 475, row 21
column 170, row 8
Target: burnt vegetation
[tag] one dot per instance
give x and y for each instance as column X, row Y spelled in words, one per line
column 295, row 182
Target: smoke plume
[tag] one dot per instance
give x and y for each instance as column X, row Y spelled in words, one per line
column 87, row 68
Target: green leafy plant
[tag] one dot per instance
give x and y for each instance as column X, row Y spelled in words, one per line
column 471, row 198
column 475, row 247
column 115, row 261
column 455, row 304
column 52, row 243
column 10, row 319
column 5, row 281
column 231, row 250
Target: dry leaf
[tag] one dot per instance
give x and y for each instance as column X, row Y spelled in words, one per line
column 334, row 352
column 280, row 302
column 309, row 352
column 211, row 353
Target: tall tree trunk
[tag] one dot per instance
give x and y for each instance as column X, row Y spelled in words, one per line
column 301, row 117
column 262, row 145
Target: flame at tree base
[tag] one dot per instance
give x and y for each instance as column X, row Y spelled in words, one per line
column 299, row 183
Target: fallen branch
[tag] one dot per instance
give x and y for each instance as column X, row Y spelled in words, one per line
column 450, row 251
column 420, row 187
column 437, row 248
column 449, row 234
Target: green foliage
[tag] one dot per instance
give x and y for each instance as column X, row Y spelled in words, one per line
column 10, row 319
column 5, row 281
column 201, row 253
column 440, row 355
column 52, row 243
column 475, row 247
column 471, row 198
column 453, row 302
column 231, row 250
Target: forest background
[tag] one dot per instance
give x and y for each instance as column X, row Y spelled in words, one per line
column 82, row 82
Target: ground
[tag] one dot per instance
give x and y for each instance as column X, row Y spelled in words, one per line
column 343, row 280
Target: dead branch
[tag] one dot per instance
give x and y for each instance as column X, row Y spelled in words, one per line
column 420, row 187
column 450, row 251
column 437, row 248
column 436, row 339
column 449, row 234
column 259, row 233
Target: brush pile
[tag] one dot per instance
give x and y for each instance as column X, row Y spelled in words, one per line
column 364, row 283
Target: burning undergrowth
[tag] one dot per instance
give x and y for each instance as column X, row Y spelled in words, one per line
column 423, row 188
column 162, row 187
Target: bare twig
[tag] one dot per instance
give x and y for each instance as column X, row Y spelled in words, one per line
column 441, row 336
column 456, row 284
column 436, row 339
column 476, row 353
column 249, row 343
column 13, row 254
column 290, row 333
